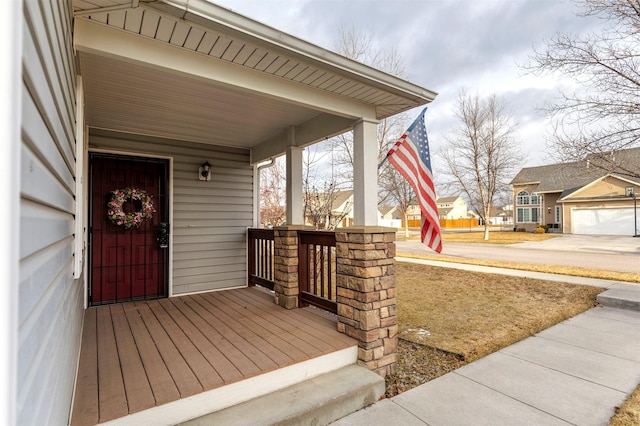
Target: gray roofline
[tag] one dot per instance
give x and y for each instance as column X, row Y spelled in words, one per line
column 201, row 11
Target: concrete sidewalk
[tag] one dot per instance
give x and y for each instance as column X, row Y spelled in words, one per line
column 575, row 372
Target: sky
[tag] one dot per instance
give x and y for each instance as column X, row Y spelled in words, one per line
column 448, row 46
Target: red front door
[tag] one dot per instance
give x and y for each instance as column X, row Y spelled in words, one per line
column 127, row 260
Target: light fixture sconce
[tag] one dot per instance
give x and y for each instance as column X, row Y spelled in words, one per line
column 629, row 191
column 548, row 209
column 204, row 173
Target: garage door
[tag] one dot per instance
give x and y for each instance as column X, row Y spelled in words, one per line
column 615, row 221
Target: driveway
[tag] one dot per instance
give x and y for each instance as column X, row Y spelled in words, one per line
column 613, row 253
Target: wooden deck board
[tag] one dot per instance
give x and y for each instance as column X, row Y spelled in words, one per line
column 224, row 368
column 136, row 385
column 256, row 325
column 323, row 326
column 206, row 374
column 241, row 347
column 111, row 392
column 143, row 354
column 273, row 346
column 162, row 385
column 183, row 377
column 282, row 319
column 85, row 407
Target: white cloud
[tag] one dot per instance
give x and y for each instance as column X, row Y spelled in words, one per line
column 447, row 45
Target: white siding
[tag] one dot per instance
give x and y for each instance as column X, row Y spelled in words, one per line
column 50, row 306
column 209, row 218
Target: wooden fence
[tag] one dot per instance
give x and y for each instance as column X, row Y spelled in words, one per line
column 447, row 223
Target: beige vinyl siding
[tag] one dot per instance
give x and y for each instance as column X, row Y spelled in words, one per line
column 209, row 218
column 50, row 307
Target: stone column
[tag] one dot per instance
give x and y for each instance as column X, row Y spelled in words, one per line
column 366, row 294
column 285, row 268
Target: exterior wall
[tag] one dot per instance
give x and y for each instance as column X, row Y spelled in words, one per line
column 549, row 216
column 50, row 307
column 210, row 218
column 607, row 187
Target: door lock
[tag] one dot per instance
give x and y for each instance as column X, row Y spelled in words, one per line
column 163, row 235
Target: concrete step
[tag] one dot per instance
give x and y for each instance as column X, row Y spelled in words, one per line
column 317, row 401
column 622, row 298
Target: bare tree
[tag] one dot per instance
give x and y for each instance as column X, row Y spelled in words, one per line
column 399, row 191
column 603, row 114
column 320, row 192
column 482, row 155
column 319, row 187
column 360, row 45
column 322, row 210
column 273, row 194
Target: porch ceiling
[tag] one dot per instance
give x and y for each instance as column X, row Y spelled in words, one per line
column 282, row 81
column 133, row 98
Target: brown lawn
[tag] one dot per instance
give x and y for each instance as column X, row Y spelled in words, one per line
column 474, row 314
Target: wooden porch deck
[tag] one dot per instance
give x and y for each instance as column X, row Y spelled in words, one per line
column 139, row 355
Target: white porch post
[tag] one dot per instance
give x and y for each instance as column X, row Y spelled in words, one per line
column 294, row 181
column 365, row 173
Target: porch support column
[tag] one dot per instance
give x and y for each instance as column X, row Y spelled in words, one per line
column 285, row 270
column 294, row 181
column 366, row 294
column 365, row 173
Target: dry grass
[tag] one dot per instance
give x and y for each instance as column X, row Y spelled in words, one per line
column 629, row 413
column 474, row 314
column 550, row 269
column 495, row 237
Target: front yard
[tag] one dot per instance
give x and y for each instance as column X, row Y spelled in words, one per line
column 449, row 317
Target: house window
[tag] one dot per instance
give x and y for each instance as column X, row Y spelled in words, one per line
column 523, row 215
column 535, row 199
column 535, row 213
column 522, row 198
column 558, row 214
column 528, row 214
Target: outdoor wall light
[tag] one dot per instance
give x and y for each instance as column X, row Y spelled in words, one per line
column 548, row 209
column 204, row 173
column 628, row 190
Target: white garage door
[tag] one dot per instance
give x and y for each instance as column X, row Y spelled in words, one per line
column 615, row 221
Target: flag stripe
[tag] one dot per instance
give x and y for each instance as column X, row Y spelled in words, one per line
column 410, row 157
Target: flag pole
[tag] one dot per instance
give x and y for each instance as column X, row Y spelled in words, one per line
column 386, row 157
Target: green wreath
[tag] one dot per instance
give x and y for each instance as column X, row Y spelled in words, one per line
column 130, row 220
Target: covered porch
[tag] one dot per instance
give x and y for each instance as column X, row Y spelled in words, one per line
column 170, row 360
column 192, row 83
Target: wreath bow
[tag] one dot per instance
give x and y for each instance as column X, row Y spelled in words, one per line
column 130, row 220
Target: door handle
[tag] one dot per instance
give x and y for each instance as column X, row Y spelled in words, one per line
column 163, row 235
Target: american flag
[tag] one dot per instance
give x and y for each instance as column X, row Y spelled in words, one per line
column 410, row 157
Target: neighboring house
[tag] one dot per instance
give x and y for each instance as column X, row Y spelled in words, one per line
column 586, row 197
column 329, row 210
column 452, row 207
column 413, row 211
column 448, row 208
column 387, row 216
column 179, row 100
column 501, row 215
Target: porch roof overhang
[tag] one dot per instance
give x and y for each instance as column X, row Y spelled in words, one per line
column 192, row 70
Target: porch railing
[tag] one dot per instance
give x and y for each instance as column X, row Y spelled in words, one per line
column 260, row 257
column 317, row 269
